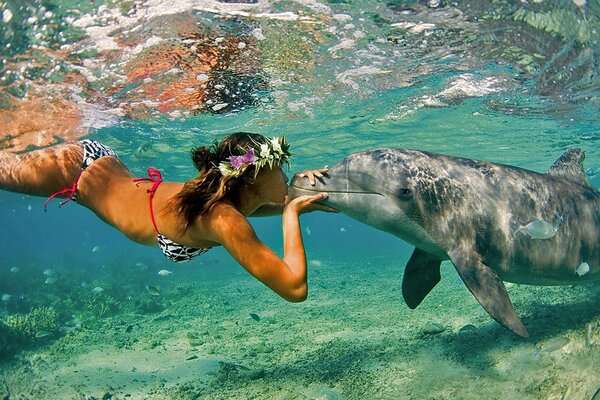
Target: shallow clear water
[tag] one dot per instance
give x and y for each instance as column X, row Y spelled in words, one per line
column 509, row 82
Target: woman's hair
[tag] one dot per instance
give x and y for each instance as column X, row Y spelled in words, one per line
column 211, row 185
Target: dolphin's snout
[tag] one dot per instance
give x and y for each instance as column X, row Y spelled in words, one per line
column 300, row 186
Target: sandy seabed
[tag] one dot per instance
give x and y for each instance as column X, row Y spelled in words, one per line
column 354, row 338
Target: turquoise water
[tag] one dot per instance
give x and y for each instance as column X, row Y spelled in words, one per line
column 509, row 82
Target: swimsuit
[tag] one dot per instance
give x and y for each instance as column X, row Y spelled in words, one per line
column 172, row 250
column 92, row 151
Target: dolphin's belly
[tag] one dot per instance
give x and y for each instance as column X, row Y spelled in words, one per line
column 416, row 236
column 564, row 278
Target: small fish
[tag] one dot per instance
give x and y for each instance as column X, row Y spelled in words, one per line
column 540, row 229
column 97, row 289
column 98, row 248
column 433, row 328
column 141, row 266
column 255, row 317
column 50, row 280
column 48, row 272
column 14, row 270
column 583, row 269
column 307, row 229
column 551, row 346
column 588, row 337
column 153, row 290
column 42, row 334
column 164, row 272
column 6, row 297
column 342, row 229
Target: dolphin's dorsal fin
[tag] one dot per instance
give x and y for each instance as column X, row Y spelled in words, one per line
column 570, row 166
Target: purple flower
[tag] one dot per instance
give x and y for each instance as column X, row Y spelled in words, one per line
column 238, row 162
column 249, row 157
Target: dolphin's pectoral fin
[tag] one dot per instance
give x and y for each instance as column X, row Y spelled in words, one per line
column 488, row 289
column 421, row 274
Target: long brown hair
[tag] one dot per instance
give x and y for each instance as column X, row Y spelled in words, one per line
column 210, row 186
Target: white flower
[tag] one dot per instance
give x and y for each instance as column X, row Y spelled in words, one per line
column 276, row 145
column 269, row 153
column 225, row 169
column 264, row 150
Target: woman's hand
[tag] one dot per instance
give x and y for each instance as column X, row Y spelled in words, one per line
column 305, row 203
column 314, row 173
column 313, row 204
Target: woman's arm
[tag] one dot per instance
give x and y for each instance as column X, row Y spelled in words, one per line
column 285, row 276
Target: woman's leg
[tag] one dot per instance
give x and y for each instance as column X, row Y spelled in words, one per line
column 41, row 172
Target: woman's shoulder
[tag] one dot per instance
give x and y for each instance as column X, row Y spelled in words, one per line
column 219, row 213
column 222, row 208
column 222, row 219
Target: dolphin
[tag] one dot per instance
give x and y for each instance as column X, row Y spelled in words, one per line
column 475, row 214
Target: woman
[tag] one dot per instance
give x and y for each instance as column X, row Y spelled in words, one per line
column 239, row 177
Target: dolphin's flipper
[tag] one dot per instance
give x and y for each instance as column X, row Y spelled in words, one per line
column 421, row 274
column 488, row 289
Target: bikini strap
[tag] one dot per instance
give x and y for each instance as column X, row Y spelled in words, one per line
column 71, row 191
column 153, row 176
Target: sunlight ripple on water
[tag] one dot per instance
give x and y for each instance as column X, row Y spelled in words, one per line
column 395, row 75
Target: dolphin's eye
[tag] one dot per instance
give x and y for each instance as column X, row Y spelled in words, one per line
column 405, row 194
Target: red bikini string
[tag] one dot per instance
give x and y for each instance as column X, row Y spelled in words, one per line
column 70, row 191
column 153, row 176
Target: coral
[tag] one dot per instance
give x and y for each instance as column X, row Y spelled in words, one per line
column 102, row 305
column 25, row 327
column 20, row 330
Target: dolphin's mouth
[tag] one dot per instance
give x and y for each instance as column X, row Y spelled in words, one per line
column 335, row 191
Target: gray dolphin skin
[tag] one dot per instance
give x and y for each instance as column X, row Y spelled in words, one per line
column 476, row 214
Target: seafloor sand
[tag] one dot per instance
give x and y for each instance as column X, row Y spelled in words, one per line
column 354, row 338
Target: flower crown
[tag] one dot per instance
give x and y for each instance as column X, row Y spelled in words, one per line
column 274, row 152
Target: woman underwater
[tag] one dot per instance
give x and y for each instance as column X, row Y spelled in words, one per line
column 241, row 176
